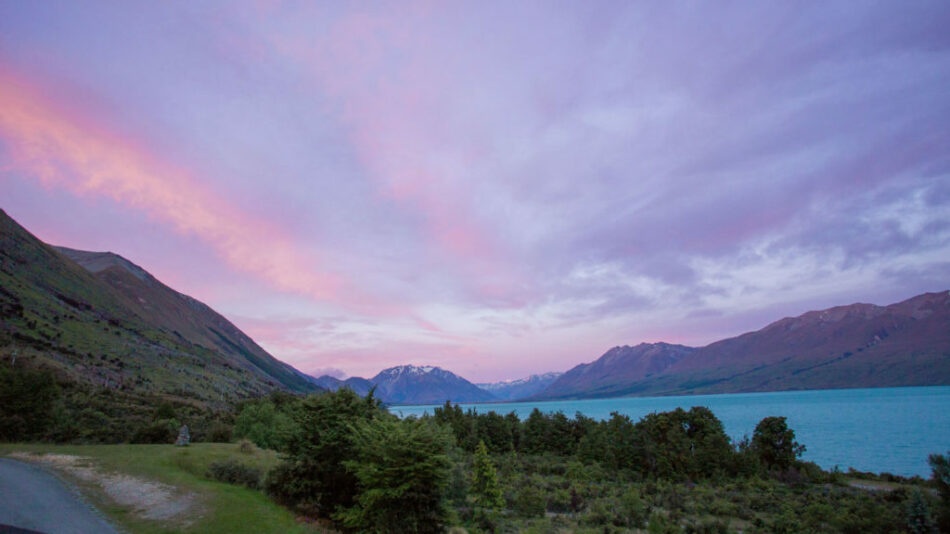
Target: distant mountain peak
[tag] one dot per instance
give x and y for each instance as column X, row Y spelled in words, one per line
column 410, row 370
column 519, row 388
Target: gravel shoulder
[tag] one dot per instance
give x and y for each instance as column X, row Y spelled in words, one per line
column 31, row 498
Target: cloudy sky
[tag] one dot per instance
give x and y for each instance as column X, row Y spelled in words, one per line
column 497, row 188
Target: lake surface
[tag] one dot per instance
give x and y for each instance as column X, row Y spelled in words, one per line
column 881, row 430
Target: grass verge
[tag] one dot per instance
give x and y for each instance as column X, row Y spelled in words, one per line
column 212, row 507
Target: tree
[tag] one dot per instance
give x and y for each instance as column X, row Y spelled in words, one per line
column 402, row 468
column 27, row 399
column 495, row 431
column 312, row 477
column 485, row 481
column 265, row 424
column 919, row 520
column 774, row 443
column 940, row 469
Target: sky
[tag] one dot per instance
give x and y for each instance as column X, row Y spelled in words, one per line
column 496, row 188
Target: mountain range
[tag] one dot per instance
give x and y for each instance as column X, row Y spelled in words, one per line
column 98, row 319
column 410, row 384
column 860, row 345
column 509, row 390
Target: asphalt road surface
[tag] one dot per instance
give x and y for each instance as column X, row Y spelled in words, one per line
column 33, row 499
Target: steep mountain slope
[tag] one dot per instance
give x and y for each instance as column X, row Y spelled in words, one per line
column 117, row 327
column 519, row 389
column 861, row 345
column 185, row 317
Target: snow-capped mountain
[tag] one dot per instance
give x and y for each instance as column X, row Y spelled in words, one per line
column 425, row 385
column 411, row 384
column 519, row 388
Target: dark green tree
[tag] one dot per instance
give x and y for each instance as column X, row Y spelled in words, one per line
column 919, row 520
column 402, row 468
column 711, row 451
column 266, row 424
column 495, row 431
column 485, row 487
column 774, row 444
column 27, row 398
column 312, row 476
column 940, row 472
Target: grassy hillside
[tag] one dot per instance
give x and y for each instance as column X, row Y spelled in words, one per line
column 54, row 314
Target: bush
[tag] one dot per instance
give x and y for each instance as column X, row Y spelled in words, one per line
column 27, row 399
column 402, row 468
column 266, row 424
column 246, row 447
column 161, row 431
column 774, row 443
column 220, row 433
column 233, row 472
column 529, row 502
column 634, row 510
column 313, row 478
column 282, row 484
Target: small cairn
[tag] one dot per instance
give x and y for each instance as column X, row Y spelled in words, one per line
column 184, row 437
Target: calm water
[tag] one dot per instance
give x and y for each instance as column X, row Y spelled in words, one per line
column 880, row 430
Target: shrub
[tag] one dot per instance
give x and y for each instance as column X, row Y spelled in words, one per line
column 246, row 447
column 774, row 443
column 233, row 472
column 402, row 468
column 27, row 399
column 313, row 478
column 161, row 431
column 220, row 433
column 267, row 425
column 634, row 510
column 529, row 502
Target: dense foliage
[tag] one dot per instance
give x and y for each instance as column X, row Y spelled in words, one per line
column 676, row 445
column 27, row 399
column 402, row 469
column 940, row 465
column 40, row 404
column 347, row 460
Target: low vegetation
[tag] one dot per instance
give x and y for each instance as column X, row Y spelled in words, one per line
column 343, row 462
column 198, row 503
column 348, row 461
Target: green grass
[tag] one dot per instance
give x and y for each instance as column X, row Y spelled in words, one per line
column 221, row 508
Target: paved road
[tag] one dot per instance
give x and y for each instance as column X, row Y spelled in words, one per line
column 33, row 499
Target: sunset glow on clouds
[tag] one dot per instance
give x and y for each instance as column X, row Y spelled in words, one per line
column 498, row 189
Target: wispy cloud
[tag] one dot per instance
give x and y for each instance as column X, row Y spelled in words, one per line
column 66, row 148
column 504, row 188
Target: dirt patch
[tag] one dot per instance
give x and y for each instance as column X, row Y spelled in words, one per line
column 148, row 499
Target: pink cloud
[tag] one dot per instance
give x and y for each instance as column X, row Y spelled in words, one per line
column 396, row 101
column 63, row 147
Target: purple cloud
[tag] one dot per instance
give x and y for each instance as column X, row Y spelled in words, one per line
column 506, row 188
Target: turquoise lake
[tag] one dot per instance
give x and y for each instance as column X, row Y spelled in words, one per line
column 881, row 430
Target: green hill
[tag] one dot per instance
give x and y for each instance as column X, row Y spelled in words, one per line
column 99, row 321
